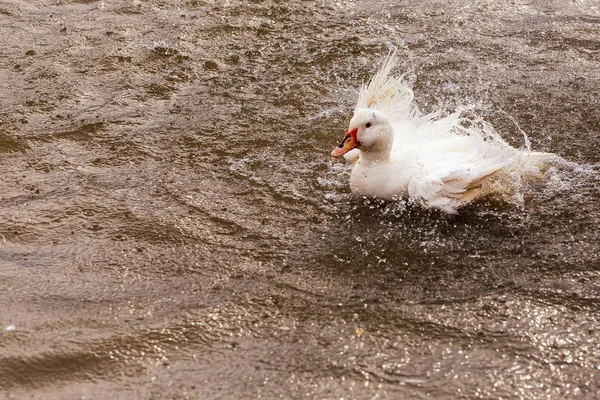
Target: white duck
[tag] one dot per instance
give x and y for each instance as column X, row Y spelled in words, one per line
column 398, row 152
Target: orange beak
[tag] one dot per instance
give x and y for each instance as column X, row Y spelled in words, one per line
column 350, row 141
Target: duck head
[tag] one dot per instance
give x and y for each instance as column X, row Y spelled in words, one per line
column 368, row 131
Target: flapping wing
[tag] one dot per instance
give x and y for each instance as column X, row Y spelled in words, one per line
column 389, row 94
column 456, row 179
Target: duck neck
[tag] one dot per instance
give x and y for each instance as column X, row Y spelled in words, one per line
column 379, row 151
column 375, row 157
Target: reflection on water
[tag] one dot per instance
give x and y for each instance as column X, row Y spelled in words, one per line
column 172, row 224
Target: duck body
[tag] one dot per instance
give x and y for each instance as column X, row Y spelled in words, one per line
column 444, row 171
column 397, row 152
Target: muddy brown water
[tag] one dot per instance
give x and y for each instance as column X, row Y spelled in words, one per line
column 172, row 226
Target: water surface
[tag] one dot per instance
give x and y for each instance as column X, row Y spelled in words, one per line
column 172, row 225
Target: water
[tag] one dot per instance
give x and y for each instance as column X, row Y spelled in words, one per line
column 172, row 225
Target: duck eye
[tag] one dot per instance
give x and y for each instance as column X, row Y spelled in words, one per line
column 368, row 125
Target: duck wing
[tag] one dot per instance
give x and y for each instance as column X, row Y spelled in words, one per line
column 388, row 94
column 453, row 171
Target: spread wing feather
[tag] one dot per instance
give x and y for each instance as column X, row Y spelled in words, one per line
column 455, row 179
column 391, row 95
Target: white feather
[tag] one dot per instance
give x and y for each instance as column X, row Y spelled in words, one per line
column 436, row 160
